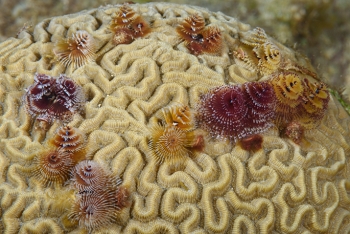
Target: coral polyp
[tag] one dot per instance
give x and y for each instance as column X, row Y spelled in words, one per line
column 198, row 38
column 77, row 50
column 251, row 143
column 52, row 98
column 53, row 166
column 99, row 197
column 254, row 38
column 258, row 53
column 222, row 110
column 127, row 25
column 269, row 57
column 122, row 196
column 295, row 132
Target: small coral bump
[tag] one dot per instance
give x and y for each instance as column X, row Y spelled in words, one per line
column 77, row 50
column 198, row 144
column 94, row 211
column 50, row 98
column 89, row 177
column 251, row 143
column 122, row 196
column 122, row 36
column 53, row 166
column 236, row 111
column 295, row 132
column 127, row 25
column 170, row 143
column 179, row 115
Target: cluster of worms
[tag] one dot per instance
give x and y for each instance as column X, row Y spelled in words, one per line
column 175, row 140
column 257, row 53
column 99, row 197
column 51, row 98
column 127, row 25
column 286, row 100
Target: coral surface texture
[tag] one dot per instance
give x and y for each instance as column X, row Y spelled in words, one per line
column 296, row 181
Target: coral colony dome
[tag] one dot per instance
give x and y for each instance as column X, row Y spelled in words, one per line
column 165, row 118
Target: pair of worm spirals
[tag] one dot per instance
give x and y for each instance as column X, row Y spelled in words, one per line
column 175, row 140
column 198, row 37
column 65, row 149
column 80, row 48
column 99, row 195
column 238, row 111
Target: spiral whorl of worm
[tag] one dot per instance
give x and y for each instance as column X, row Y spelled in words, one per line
column 53, row 166
column 72, row 140
column 89, row 176
column 68, row 138
column 94, row 211
column 236, row 111
column 77, row 50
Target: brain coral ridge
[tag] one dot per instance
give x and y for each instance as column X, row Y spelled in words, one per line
column 284, row 187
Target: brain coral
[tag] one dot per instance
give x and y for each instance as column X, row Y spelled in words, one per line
column 282, row 188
